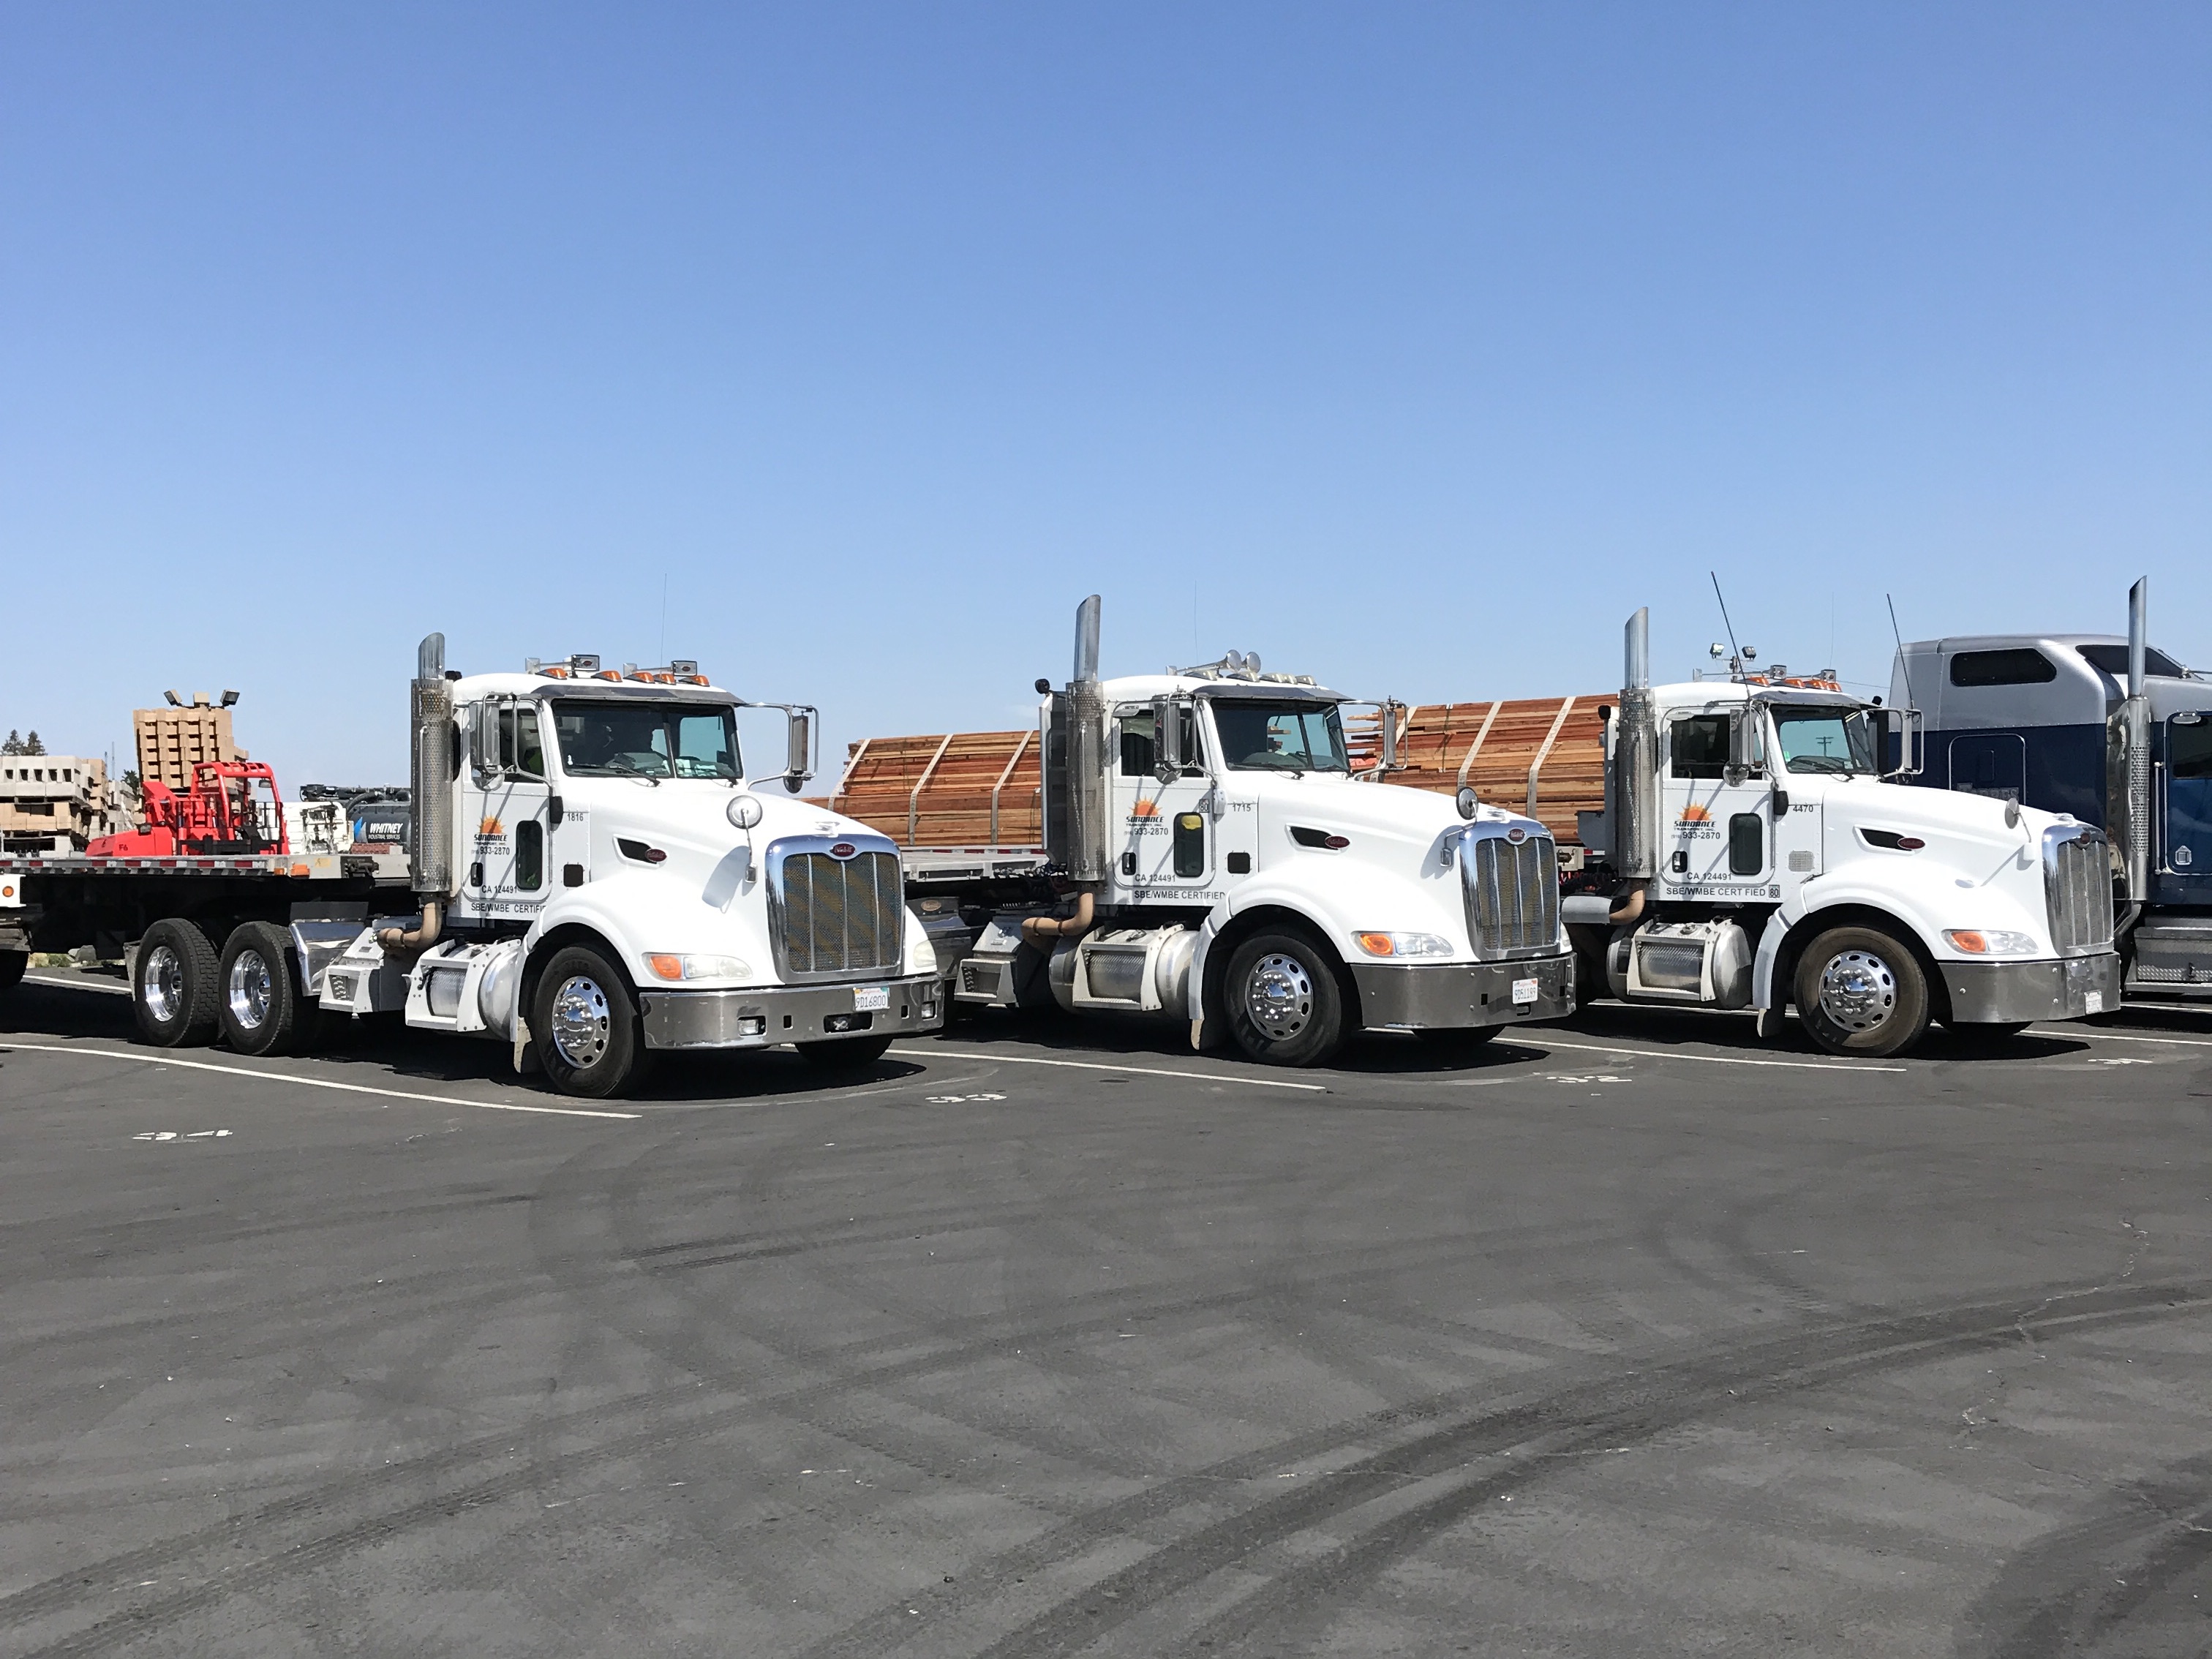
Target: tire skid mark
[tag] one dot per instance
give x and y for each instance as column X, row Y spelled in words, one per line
column 458, row 1481
column 1600, row 1414
column 2111, row 1580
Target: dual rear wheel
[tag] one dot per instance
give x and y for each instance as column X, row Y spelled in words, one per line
column 184, row 991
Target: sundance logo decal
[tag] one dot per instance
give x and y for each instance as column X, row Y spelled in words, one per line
column 490, row 829
column 1694, row 815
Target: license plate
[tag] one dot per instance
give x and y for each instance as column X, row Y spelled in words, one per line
column 2094, row 1003
column 1524, row 990
column 871, row 998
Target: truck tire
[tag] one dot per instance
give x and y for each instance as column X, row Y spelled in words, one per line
column 12, row 966
column 584, row 1024
column 1284, row 1006
column 1860, row 991
column 174, row 983
column 263, row 1008
column 844, row 1053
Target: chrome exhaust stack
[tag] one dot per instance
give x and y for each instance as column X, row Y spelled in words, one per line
column 1086, row 754
column 430, row 773
column 2127, row 750
column 1636, row 759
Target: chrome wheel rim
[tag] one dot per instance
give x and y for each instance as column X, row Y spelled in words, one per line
column 248, row 990
column 1858, row 991
column 162, row 984
column 582, row 1022
column 1279, row 996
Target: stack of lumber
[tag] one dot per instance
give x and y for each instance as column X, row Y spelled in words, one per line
column 937, row 791
column 1493, row 745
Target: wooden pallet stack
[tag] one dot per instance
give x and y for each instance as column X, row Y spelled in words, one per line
column 173, row 741
column 947, row 789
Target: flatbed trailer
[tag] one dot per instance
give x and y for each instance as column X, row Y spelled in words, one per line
column 60, row 904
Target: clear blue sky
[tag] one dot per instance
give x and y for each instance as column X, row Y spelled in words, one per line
column 1410, row 345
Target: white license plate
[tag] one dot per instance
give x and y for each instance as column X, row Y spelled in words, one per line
column 871, row 998
column 1524, row 990
column 2094, row 1003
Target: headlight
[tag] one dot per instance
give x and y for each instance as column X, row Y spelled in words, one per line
column 1990, row 942
column 669, row 966
column 1403, row 944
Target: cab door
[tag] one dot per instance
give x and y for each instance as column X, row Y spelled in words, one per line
column 1717, row 841
column 2187, row 776
column 1164, row 834
column 507, row 872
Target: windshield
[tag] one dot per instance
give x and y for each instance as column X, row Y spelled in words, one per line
column 647, row 740
column 1825, row 739
column 1280, row 737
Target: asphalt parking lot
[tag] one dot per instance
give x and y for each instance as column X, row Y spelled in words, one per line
column 1631, row 1338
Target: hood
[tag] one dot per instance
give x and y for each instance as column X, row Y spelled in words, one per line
column 693, row 814
column 1327, row 801
column 1959, row 816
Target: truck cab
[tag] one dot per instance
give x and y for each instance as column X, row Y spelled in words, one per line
column 1761, row 852
column 1229, row 866
column 599, row 882
column 2102, row 727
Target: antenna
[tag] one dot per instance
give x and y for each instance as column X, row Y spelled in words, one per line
column 1738, row 650
column 1904, row 667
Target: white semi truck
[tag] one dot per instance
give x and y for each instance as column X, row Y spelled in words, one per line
column 1214, row 860
column 589, row 879
column 1759, row 853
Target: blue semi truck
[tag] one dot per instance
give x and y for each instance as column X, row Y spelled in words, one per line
column 2105, row 727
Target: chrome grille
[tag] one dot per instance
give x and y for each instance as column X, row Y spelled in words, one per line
column 835, row 918
column 1512, row 890
column 2077, row 889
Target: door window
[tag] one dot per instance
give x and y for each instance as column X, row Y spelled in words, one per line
column 2188, row 750
column 519, row 749
column 1141, row 746
column 1698, row 746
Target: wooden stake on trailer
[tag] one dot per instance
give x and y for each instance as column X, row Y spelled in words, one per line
column 1550, row 738
column 1475, row 748
column 1020, row 749
column 852, row 765
column 914, row 801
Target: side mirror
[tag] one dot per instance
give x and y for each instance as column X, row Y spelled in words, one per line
column 1897, row 724
column 1167, row 739
column 744, row 810
column 1389, row 735
column 799, row 753
column 483, row 738
column 1468, row 803
column 1743, row 748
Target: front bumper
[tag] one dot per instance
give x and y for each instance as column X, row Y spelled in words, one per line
column 1453, row 996
column 1997, row 993
column 794, row 1013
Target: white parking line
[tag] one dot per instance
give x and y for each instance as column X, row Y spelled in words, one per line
column 1094, row 1066
column 1534, row 1040
column 2116, row 1036
column 11, row 1043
